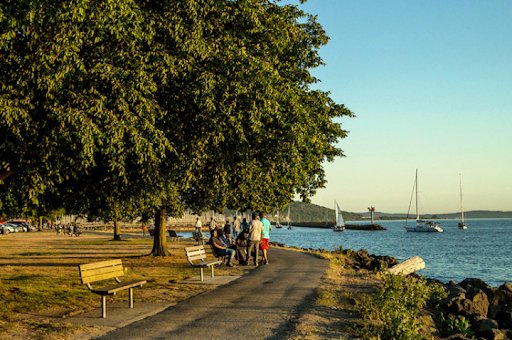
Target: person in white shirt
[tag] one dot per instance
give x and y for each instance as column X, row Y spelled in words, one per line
column 255, row 231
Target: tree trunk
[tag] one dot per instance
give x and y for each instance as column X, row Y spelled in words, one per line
column 160, row 237
column 40, row 226
column 5, row 173
column 117, row 231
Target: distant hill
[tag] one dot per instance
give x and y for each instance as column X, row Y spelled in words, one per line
column 305, row 212
column 468, row 214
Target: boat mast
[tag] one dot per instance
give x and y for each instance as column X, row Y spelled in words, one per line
column 416, row 186
column 461, row 208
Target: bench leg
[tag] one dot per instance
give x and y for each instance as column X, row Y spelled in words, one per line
column 130, row 292
column 213, row 274
column 202, row 275
column 103, row 306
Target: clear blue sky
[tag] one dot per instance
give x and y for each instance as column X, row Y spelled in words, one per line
column 431, row 85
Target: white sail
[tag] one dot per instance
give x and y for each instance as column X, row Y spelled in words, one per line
column 339, row 216
column 340, row 223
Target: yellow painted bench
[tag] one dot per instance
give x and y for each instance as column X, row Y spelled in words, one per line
column 105, row 270
column 196, row 256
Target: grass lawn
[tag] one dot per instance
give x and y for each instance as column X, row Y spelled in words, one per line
column 39, row 279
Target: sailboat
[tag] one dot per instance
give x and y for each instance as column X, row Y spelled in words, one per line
column 462, row 224
column 278, row 224
column 340, row 223
column 288, row 218
column 422, row 225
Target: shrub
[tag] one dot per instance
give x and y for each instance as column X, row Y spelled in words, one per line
column 451, row 324
column 396, row 306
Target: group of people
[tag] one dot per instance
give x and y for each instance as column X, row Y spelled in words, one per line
column 71, row 230
column 245, row 246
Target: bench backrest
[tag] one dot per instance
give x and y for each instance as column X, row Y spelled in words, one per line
column 195, row 253
column 98, row 271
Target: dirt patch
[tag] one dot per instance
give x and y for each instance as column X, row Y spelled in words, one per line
column 333, row 315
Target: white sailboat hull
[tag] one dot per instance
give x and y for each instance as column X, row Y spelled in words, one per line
column 425, row 226
column 422, row 225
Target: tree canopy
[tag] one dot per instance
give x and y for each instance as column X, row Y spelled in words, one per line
column 118, row 108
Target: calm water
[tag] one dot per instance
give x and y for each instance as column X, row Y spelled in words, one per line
column 482, row 251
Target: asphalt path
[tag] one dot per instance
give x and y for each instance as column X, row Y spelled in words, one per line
column 263, row 304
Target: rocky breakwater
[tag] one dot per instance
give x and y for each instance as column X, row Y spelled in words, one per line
column 488, row 310
column 361, row 259
column 471, row 309
column 370, row 227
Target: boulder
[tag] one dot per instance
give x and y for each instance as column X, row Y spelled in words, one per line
column 502, row 301
column 485, row 325
column 480, row 304
column 504, row 318
column 473, row 285
column 506, row 287
column 456, row 290
column 473, row 308
column 363, row 258
column 495, row 334
column 457, row 337
column 456, row 305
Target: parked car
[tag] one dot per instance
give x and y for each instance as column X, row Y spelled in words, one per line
column 20, row 225
column 6, row 228
column 15, row 227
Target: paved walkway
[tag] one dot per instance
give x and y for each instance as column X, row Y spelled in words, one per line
column 263, row 304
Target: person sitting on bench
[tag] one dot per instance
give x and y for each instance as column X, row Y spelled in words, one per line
column 197, row 235
column 221, row 249
column 241, row 246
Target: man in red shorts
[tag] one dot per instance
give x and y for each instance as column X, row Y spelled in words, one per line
column 265, row 236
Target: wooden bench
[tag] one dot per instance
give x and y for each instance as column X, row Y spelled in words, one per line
column 196, row 256
column 104, row 270
column 174, row 236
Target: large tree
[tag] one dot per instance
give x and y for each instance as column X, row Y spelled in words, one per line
column 235, row 84
column 249, row 130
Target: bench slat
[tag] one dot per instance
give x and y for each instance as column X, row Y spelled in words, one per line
column 200, row 247
column 101, row 264
column 196, row 257
column 104, row 276
column 206, row 264
column 196, row 252
column 99, row 271
column 121, row 286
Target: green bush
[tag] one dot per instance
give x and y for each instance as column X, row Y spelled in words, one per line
column 396, row 307
column 451, row 324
